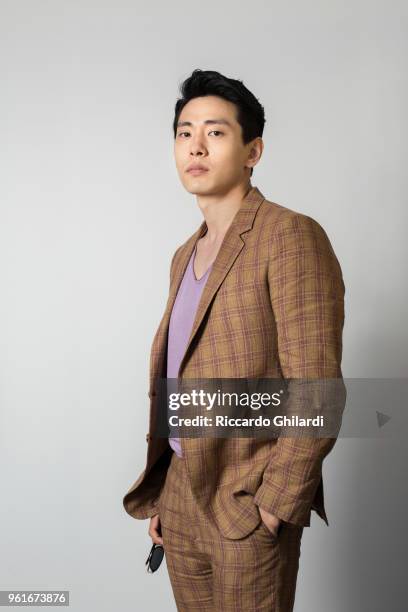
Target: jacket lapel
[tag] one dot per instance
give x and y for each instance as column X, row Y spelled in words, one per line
column 230, row 248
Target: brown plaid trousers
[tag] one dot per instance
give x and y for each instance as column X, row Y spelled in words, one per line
column 273, row 306
column 208, row 571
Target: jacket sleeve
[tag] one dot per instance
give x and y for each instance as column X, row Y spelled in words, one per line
column 307, row 297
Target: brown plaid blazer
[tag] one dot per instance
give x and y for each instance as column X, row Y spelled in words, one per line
column 273, row 306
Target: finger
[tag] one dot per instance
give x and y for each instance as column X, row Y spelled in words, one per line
column 156, row 536
column 157, row 539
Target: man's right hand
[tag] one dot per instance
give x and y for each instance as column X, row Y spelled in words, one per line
column 155, row 530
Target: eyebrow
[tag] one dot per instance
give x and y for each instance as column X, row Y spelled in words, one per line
column 206, row 122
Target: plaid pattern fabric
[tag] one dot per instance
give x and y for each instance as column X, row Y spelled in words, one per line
column 273, row 306
column 208, row 572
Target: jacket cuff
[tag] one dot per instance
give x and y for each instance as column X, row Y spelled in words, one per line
column 152, row 511
column 287, row 509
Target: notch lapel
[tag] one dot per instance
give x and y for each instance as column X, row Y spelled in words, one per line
column 231, row 246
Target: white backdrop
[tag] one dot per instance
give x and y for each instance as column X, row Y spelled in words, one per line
column 92, row 211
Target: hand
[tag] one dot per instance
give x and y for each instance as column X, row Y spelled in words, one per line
column 155, row 530
column 271, row 521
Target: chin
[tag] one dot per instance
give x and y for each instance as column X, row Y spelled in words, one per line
column 198, row 190
column 199, row 187
column 195, row 188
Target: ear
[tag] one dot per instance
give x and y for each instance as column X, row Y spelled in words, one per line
column 255, row 152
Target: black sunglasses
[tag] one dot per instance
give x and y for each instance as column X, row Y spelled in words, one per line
column 155, row 558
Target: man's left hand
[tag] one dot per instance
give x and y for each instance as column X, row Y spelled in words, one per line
column 271, row 521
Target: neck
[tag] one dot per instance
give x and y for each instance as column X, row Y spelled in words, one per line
column 219, row 210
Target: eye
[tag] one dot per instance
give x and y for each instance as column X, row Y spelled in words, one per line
column 218, row 132
column 181, row 133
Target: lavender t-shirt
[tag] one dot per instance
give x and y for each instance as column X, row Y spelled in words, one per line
column 181, row 323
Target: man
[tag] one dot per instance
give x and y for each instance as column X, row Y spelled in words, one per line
column 255, row 292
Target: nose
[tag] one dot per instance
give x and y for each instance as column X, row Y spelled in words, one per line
column 197, row 146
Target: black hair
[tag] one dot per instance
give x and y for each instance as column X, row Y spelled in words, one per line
column 250, row 112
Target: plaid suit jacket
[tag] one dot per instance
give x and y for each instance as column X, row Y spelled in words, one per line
column 273, row 306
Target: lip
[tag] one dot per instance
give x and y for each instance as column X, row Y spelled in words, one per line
column 197, row 171
column 196, row 167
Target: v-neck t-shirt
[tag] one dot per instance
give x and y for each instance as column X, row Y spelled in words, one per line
column 181, row 323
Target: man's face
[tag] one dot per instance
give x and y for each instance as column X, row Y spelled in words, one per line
column 218, row 146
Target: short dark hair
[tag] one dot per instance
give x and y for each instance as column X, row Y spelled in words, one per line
column 250, row 112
